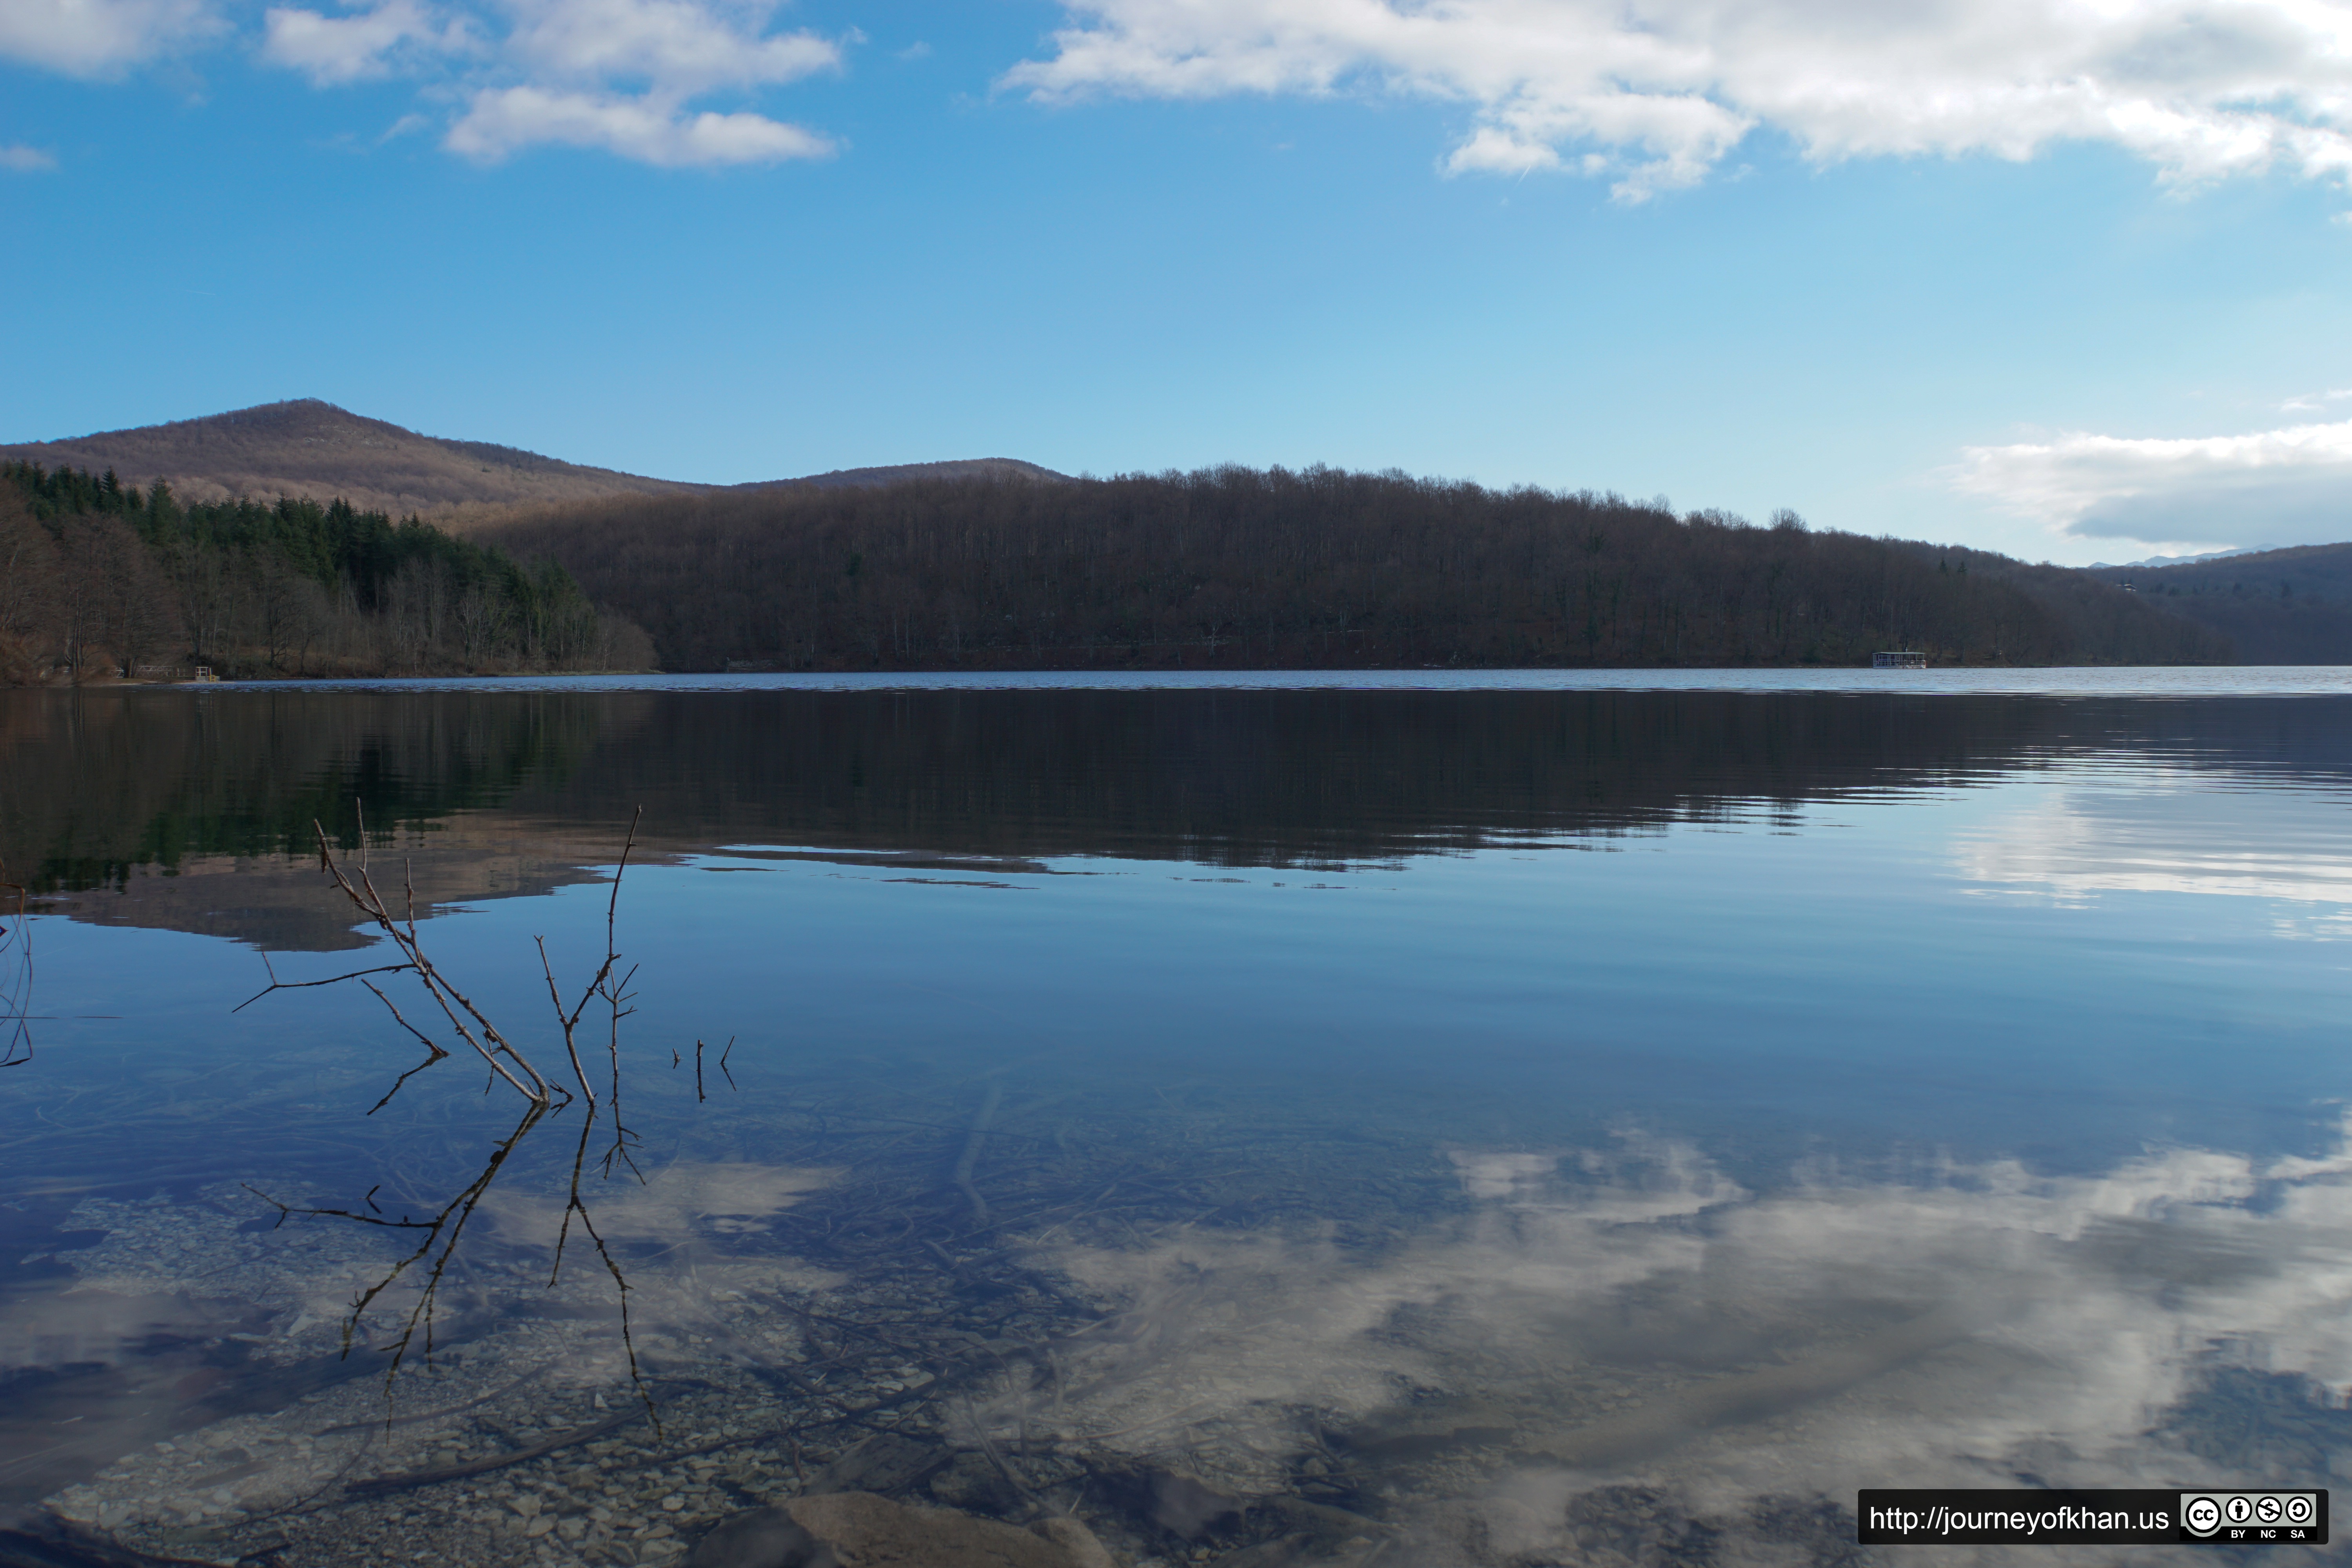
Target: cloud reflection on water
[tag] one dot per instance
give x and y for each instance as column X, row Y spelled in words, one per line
column 1596, row 1317
column 1629, row 1314
column 2164, row 834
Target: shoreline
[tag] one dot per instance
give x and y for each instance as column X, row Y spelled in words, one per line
column 2086, row 680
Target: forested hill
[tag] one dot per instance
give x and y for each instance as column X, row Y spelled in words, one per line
column 1314, row 569
column 100, row 579
column 2276, row 607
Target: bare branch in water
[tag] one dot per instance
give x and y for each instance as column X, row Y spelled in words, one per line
column 621, row 1136
column 615, row 995
column 277, row 985
column 436, row 1054
column 464, row 1018
column 444, row 1230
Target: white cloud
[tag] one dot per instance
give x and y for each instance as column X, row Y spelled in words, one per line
column 1659, row 90
column 619, row 76
column 98, row 37
column 505, row 120
column 677, row 46
column 331, row 50
column 23, row 159
column 2290, row 486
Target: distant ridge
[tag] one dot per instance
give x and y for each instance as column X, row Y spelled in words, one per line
column 967, row 468
column 2291, row 606
column 2161, row 562
column 307, row 448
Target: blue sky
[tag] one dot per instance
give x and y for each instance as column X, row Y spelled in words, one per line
column 2066, row 281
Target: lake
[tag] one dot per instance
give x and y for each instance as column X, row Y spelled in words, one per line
column 1397, row 1118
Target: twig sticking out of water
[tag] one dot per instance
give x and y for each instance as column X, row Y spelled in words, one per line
column 464, row 1018
column 699, row 1097
column 613, row 991
column 541, row 1098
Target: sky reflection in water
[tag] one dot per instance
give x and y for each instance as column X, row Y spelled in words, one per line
column 1771, row 1095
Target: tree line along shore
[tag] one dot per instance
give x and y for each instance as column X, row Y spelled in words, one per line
column 102, row 580
column 1318, row 568
column 1224, row 567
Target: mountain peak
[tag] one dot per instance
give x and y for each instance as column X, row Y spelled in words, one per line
column 307, row 447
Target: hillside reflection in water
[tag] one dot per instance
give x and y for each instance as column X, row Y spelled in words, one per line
column 1533, row 1126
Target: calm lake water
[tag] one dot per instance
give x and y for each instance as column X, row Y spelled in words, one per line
column 1409, row 1119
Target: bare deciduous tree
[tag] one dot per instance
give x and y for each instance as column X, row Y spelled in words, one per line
column 480, row 618
column 29, row 580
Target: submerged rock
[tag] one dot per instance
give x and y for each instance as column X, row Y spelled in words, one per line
column 858, row 1530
